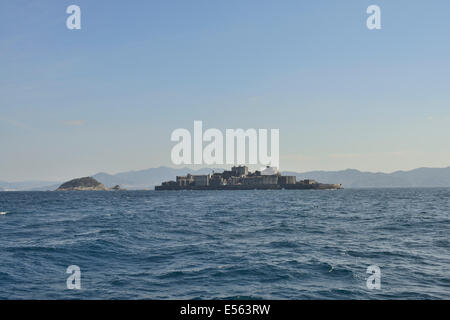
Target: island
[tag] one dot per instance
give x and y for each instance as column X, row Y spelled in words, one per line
column 85, row 184
column 239, row 178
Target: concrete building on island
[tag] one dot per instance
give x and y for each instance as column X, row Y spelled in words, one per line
column 239, row 178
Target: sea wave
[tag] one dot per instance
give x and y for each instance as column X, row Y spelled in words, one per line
column 225, row 245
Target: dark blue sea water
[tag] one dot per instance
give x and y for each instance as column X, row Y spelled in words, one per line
column 271, row 244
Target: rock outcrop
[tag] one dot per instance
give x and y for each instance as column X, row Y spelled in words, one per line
column 82, row 184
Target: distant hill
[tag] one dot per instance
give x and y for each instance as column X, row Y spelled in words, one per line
column 82, row 184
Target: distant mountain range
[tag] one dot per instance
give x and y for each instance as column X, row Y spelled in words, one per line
column 28, row 185
column 147, row 179
column 350, row 178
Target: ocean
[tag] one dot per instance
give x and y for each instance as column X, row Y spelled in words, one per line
column 274, row 244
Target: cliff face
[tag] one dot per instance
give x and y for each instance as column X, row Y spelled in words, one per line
column 82, row 184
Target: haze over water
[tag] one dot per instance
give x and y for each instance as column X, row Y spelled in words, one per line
column 224, row 244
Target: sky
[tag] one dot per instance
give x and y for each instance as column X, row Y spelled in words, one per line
column 106, row 98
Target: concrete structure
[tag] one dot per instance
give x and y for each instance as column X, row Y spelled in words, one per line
column 217, row 180
column 256, row 180
column 169, row 183
column 201, row 180
column 234, row 181
column 307, row 181
column 184, row 181
column 287, row 180
column 259, row 180
column 239, row 171
column 239, row 178
column 269, row 171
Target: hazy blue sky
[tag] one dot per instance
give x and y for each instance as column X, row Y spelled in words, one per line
column 108, row 96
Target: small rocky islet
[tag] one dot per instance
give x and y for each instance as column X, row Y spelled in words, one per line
column 85, row 184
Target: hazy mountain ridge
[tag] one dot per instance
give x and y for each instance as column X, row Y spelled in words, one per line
column 350, row 178
column 29, row 185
